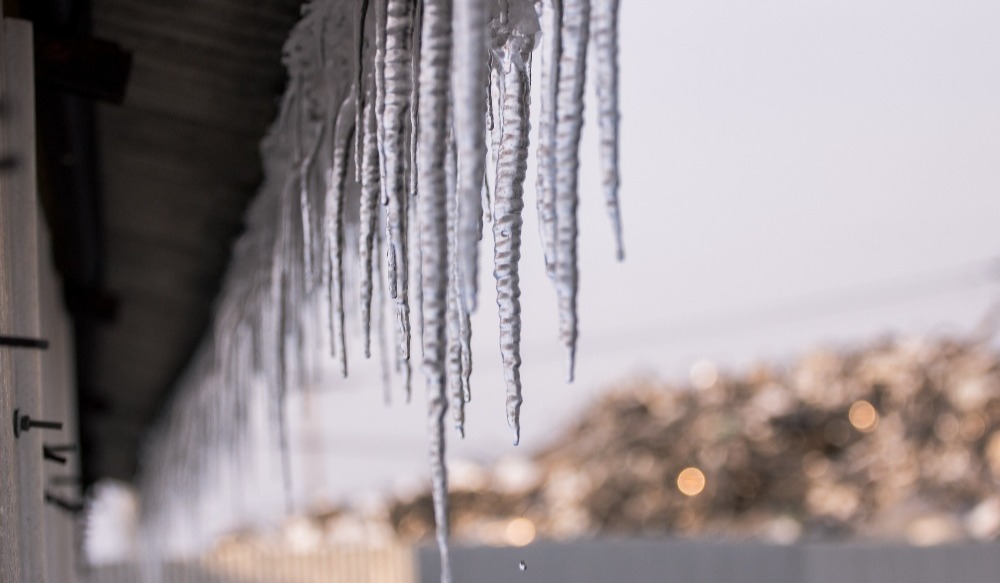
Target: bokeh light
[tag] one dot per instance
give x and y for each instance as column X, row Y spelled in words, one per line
column 863, row 416
column 520, row 532
column 704, row 374
column 691, row 481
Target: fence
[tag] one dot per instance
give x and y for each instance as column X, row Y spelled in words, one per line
column 595, row 561
column 675, row 561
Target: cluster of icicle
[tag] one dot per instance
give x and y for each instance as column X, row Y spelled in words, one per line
column 404, row 130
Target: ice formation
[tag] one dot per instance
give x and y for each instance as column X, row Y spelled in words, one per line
column 512, row 41
column 403, row 132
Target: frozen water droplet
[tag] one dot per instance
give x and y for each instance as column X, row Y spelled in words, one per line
column 522, row 566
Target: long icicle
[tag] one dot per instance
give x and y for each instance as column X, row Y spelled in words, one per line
column 359, row 73
column 508, row 204
column 282, row 256
column 305, row 205
column 415, row 97
column 397, row 82
column 491, row 129
column 572, row 77
column 305, row 160
column 471, row 78
column 456, row 388
column 413, row 214
column 401, row 365
column 605, row 33
column 375, row 264
column 413, row 224
column 368, row 213
column 403, row 315
column 334, row 219
column 435, row 67
column 465, row 340
column 496, row 129
column 551, row 20
column 381, row 19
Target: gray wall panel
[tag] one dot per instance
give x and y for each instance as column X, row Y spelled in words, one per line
column 675, row 561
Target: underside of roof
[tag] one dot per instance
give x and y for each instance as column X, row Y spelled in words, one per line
column 145, row 197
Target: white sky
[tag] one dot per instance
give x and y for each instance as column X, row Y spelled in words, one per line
column 771, row 151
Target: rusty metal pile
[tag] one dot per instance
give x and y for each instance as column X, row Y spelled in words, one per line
column 896, row 441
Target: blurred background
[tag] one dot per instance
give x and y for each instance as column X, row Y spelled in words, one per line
column 799, row 348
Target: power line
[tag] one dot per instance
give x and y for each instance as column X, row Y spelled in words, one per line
column 810, row 307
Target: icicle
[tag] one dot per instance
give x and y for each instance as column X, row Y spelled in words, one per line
column 413, row 214
column 410, row 206
column 305, row 208
column 375, row 262
column 465, row 345
column 271, row 319
column 471, row 76
column 487, row 203
column 334, row 222
column 381, row 18
column 455, row 377
column 572, row 76
column 279, row 412
column 551, row 20
column 406, row 370
column 418, row 296
column 454, row 316
column 397, row 82
column 370, row 188
column 435, row 67
column 605, row 24
column 496, row 128
column 402, row 291
column 402, row 366
column 465, row 339
column 415, row 101
column 390, row 265
column 464, row 319
column 359, row 76
column 490, row 127
column 512, row 164
column 280, row 295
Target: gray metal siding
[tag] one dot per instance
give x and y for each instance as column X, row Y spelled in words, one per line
column 675, row 561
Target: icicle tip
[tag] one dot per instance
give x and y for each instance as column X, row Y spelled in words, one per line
column 514, row 421
column 571, row 358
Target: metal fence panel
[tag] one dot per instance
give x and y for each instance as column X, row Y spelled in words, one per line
column 676, row 561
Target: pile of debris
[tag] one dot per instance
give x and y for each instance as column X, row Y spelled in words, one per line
column 898, row 441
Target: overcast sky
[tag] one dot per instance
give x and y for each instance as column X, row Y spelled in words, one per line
column 782, row 160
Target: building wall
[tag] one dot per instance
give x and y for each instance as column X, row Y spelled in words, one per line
column 37, row 540
column 63, row 530
column 688, row 561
